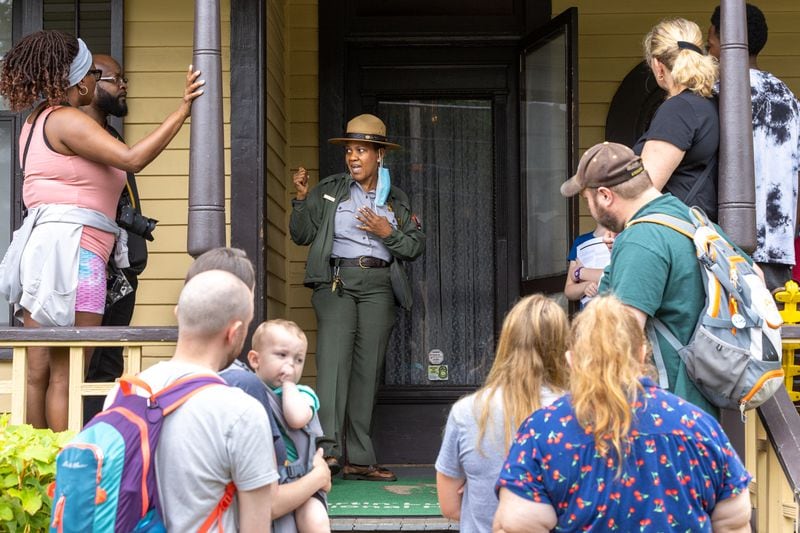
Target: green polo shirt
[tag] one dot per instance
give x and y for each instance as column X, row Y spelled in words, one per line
column 654, row 269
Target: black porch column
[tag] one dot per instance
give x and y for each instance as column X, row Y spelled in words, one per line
column 206, row 157
column 737, row 211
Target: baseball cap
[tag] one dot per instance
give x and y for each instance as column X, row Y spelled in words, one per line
column 603, row 165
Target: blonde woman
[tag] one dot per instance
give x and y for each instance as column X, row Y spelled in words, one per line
column 529, row 371
column 679, row 148
column 618, row 453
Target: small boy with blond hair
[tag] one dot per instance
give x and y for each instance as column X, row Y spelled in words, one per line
column 277, row 356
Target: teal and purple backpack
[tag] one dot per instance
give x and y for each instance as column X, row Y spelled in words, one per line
column 105, row 477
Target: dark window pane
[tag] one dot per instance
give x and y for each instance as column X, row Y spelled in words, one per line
column 93, row 24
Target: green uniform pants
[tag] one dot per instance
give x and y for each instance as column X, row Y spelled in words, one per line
column 353, row 328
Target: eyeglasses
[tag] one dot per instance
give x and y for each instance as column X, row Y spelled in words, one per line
column 119, row 80
column 96, row 72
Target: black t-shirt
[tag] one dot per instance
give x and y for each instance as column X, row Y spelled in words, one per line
column 691, row 123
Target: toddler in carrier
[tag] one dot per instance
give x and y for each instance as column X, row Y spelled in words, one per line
column 278, row 355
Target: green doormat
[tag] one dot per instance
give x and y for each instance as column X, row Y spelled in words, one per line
column 404, row 497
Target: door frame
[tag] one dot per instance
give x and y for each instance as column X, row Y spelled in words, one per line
column 490, row 68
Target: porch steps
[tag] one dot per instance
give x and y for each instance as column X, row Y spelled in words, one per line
column 393, row 524
column 397, row 523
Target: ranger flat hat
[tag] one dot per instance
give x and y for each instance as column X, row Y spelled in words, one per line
column 365, row 128
column 603, row 165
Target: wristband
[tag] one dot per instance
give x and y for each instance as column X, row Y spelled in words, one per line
column 576, row 274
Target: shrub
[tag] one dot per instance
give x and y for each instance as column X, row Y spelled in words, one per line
column 27, row 466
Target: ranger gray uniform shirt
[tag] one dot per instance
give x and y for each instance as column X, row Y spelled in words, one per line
column 348, row 240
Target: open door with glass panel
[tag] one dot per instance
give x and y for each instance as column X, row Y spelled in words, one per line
column 548, row 152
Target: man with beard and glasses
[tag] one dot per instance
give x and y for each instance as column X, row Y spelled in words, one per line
column 654, row 269
column 110, row 98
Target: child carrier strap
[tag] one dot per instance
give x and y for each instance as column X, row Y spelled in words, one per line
column 304, row 440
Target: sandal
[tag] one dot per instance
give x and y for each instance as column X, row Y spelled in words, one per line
column 333, row 464
column 368, row 473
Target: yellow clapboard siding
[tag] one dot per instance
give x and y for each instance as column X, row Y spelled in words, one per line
column 170, row 265
column 275, row 231
column 303, row 138
column 300, row 294
column 304, row 109
column 144, row 10
column 153, row 111
column 176, row 162
column 297, row 253
column 168, row 187
column 606, row 69
column 155, row 84
column 167, row 34
column 593, row 114
column 305, row 156
column 276, row 133
column 158, row 291
column 181, row 141
column 171, row 212
column 155, row 315
column 275, row 115
column 276, row 288
column 304, row 131
column 304, row 39
column 305, row 67
column 172, row 59
column 276, row 265
column 303, row 15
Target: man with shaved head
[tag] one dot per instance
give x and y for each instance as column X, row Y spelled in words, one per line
column 221, row 434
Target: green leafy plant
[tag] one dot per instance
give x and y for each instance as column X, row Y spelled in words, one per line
column 27, row 467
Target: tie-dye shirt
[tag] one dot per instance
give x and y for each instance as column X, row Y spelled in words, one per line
column 679, row 466
column 776, row 148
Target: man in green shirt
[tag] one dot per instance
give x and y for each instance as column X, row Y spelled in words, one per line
column 654, row 269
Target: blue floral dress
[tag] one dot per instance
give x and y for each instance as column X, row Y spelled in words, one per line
column 679, row 466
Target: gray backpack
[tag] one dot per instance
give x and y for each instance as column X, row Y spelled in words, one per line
column 734, row 354
column 305, row 442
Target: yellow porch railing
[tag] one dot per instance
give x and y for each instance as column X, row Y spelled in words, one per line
column 75, row 339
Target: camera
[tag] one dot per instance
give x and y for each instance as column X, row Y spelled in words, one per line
column 132, row 221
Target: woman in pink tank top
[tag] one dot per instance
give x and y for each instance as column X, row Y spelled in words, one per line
column 72, row 160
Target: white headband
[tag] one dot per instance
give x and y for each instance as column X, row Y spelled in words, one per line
column 80, row 65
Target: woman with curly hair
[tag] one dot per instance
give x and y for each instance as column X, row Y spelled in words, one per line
column 618, row 453
column 679, row 148
column 74, row 172
column 529, row 372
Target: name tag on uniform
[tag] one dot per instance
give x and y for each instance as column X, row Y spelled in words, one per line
column 329, row 197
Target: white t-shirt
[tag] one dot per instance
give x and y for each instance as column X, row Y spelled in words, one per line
column 776, row 150
column 220, row 434
column 459, row 458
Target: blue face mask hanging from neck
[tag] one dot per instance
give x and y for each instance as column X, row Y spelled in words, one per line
column 384, row 185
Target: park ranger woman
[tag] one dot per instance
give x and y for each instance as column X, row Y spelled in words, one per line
column 358, row 226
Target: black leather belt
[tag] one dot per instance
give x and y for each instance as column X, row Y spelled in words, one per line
column 364, row 261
